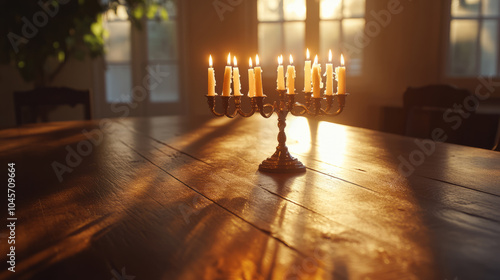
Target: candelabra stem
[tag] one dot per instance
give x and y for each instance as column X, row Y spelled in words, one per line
column 281, row 161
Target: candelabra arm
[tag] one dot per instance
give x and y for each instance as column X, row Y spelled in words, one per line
column 225, row 105
column 281, row 161
column 254, row 108
column 318, row 111
column 293, row 106
column 329, row 103
column 237, row 105
column 211, row 105
column 246, row 115
column 261, row 107
column 269, row 113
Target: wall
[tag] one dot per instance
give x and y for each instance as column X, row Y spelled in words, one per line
column 76, row 74
column 408, row 51
column 215, row 28
column 404, row 53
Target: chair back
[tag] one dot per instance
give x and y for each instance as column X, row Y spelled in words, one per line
column 425, row 110
column 48, row 96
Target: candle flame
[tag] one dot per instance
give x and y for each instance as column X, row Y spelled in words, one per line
column 291, row 59
column 235, row 62
column 316, row 59
column 307, row 54
column 330, row 56
column 280, row 59
column 257, row 62
column 342, row 62
column 229, row 59
column 210, row 62
column 250, row 62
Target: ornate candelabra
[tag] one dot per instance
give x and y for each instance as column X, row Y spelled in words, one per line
column 281, row 161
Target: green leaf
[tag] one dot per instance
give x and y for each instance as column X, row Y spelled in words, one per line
column 163, row 13
column 97, row 27
column 138, row 12
column 60, row 56
column 152, row 11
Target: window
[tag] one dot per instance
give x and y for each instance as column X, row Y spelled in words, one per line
column 118, row 72
column 473, row 48
column 162, row 51
column 155, row 47
column 340, row 21
column 282, row 29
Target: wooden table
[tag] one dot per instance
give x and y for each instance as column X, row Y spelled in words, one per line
column 179, row 198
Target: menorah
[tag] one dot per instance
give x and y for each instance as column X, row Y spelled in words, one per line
column 281, row 161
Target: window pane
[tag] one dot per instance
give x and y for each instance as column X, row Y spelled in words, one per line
column 118, row 42
column 294, row 9
column 270, row 45
column 491, row 7
column 171, row 8
column 162, row 40
column 330, row 9
column 269, row 10
column 294, row 41
column 351, row 29
column 166, row 90
column 461, row 8
column 329, row 37
column 354, row 8
column 118, row 83
column 463, row 41
column 489, row 48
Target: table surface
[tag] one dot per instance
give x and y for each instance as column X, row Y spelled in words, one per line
column 180, row 198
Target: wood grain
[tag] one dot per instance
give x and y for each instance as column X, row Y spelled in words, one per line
column 180, row 198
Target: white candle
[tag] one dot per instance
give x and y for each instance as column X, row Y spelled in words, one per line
column 211, row 78
column 290, row 77
column 236, row 78
column 251, row 79
column 258, row 78
column 340, row 76
column 226, row 87
column 316, row 78
column 307, row 73
column 329, row 75
column 281, row 75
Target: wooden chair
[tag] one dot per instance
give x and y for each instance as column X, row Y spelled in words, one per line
column 424, row 111
column 35, row 99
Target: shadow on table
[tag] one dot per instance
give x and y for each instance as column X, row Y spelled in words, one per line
column 457, row 227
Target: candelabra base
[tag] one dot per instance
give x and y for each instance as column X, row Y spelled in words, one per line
column 282, row 162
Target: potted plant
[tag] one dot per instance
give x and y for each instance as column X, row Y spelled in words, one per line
column 39, row 37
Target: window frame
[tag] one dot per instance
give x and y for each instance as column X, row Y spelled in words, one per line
column 312, row 31
column 447, row 41
column 138, row 61
column 343, row 49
